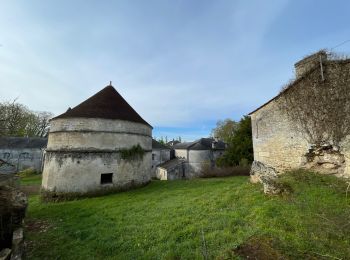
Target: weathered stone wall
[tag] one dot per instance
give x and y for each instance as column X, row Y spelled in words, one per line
column 195, row 160
column 159, row 156
column 13, row 204
column 21, row 159
column 345, row 150
column 276, row 142
column 80, row 150
column 181, row 153
column 94, row 133
column 161, row 174
column 81, row 172
column 174, row 172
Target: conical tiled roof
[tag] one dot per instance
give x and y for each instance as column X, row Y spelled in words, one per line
column 107, row 103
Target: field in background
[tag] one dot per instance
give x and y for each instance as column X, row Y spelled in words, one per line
column 196, row 219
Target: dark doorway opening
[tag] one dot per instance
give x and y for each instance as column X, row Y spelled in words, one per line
column 106, row 178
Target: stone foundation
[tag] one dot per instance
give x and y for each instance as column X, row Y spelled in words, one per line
column 326, row 159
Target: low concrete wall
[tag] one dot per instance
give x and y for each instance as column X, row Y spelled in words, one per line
column 21, row 159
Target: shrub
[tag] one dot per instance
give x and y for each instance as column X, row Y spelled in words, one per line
column 210, row 172
column 28, row 172
column 240, row 146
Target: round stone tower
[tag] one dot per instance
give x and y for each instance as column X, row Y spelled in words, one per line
column 102, row 144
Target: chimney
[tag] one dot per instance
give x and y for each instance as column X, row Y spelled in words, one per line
column 309, row 62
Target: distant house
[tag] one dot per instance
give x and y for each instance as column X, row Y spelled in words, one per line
column 160, row 154
column 171, row 170
column 195, row 154
column 20, row 153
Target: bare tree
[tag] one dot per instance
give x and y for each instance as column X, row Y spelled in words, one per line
column 17, row 120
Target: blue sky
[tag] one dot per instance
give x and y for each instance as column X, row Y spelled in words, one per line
column 181, row 64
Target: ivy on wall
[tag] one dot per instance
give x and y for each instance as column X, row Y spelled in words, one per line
column 135, row 152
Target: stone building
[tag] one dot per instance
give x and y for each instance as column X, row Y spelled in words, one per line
column 99, row 145
column 171, row 170
column 20, row 153
column 160, row 154
column 281, row 143
column 195, row 154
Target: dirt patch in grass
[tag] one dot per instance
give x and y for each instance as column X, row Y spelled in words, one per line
column 37, row 225
column 209, row 172
column 259, row 248
column 31, row 189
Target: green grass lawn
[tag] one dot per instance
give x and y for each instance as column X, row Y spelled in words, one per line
column 196, row 219
column 31, row 180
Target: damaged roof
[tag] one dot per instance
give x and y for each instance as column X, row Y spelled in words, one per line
column 108, row 104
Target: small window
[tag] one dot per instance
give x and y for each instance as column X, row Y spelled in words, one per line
column 153, row 156
column 106, row 178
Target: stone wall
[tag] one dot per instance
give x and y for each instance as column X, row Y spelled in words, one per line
column 174, row 173
column 13, row 204
column 345, row 150
column 81, row 172
column 278, row 144
column 159, row 156
column 171, row 170
column 94, row 133
column 195, row 160
column 80, row 150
